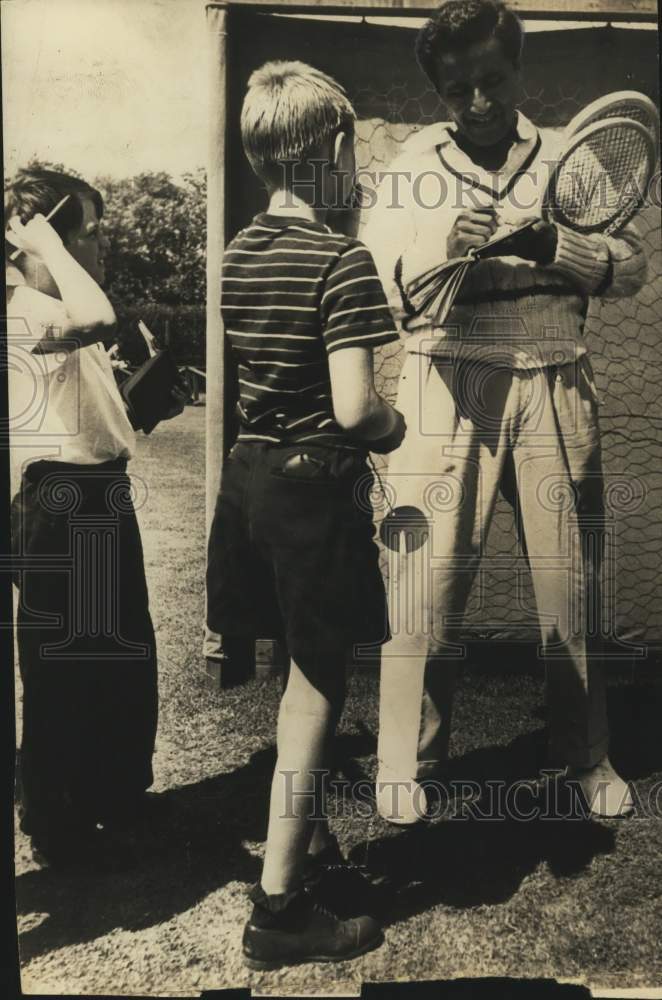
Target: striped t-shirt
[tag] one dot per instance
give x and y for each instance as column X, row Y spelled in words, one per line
column 292, row 292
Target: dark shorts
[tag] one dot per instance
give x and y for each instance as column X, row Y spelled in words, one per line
column 291, row 551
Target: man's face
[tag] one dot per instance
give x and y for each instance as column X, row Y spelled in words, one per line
column 88, row 245
column 480, row 86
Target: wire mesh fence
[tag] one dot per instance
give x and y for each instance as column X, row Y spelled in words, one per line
column 563, row 71
column 623, row 339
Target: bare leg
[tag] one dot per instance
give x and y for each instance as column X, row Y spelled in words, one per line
column 306, row 722
column 321, row 837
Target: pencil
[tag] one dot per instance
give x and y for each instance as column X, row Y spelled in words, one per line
column 50, row 215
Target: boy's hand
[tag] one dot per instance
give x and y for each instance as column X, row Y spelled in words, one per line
column 470, row 229
column 37, row 237
column 393, row 438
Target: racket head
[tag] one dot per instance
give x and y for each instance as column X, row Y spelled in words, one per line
column 621, row 104
column 602, row 176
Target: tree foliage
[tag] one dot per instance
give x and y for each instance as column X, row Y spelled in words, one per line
column 156, row 228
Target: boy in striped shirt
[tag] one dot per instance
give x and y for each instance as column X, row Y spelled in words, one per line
column 291, row 549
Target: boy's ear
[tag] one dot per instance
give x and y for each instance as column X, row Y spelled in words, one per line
column 343, row 148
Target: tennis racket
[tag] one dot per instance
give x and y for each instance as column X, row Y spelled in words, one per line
column 602, row 176
column 621, row 104
column 597, row 186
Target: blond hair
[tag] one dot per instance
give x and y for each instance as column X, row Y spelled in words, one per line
column 289, row 112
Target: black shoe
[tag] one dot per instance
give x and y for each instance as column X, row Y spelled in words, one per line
column 293, row 928
column 61, row 846
column 140, row 813
column 345, row 887
column 316, row 866
column 98, row 852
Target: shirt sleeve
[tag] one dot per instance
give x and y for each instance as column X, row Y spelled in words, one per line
column 354, row 310
column 31, row 317
column 613, row 267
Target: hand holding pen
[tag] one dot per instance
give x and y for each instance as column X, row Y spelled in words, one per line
column 37, row 236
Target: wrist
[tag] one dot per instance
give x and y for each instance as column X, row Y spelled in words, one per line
column 380, row 424
column 391, row 431
column 547, row 240
column 54, row 254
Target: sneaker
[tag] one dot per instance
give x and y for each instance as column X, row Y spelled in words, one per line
column 294, row 927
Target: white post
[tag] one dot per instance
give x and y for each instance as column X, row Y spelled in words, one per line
column 227, row 662
column 214, row 403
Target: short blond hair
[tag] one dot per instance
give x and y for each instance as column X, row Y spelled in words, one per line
column 289, row 112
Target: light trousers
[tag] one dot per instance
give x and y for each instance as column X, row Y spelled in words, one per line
column 474, row 429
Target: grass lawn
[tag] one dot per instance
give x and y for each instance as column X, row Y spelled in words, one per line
column 575, row 899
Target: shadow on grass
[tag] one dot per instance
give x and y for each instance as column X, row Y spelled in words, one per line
column 475, row 853
column 635, row 710
column 460, row 862
column 194, row 850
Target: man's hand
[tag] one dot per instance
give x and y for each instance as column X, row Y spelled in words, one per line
column 37, row 237
column 470, row 229
column 538, row 243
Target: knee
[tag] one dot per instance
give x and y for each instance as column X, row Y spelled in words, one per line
column 323, row 704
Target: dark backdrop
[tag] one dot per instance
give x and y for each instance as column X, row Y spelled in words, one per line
column 563, row 71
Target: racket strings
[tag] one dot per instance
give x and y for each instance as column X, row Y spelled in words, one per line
column 632, row 111
column 602, row 178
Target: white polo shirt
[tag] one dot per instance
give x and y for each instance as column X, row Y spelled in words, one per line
column 65, row 406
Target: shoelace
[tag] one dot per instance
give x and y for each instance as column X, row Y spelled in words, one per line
column 319, row 907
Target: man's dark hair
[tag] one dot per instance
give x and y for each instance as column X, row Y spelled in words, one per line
column 461, row 23
column 37, row 189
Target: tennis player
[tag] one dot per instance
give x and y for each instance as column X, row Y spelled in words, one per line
column 501, row 398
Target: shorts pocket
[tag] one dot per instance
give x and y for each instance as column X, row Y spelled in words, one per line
column 320, row 466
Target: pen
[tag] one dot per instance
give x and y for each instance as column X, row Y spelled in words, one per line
column 50, row 215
